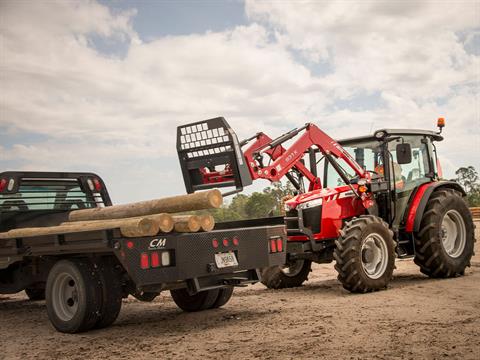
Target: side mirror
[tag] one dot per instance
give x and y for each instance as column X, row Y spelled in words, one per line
column 404, row 154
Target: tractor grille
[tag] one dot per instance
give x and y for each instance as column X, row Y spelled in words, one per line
column 311, row 220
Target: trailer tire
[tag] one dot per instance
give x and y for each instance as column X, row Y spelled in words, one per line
column 73, row 295
column 224, row 296
column 445, row 243
column 112, row 294
column 200, row 301
column 276, row 277
column 365, row 254
column 35, row 294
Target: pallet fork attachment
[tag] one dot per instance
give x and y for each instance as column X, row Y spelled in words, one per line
column 210, row 156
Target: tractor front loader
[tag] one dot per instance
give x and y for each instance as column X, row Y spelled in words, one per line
column 361, row 202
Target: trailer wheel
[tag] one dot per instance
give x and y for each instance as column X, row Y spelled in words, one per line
column 444, row 245
column 198, row 302
column 224, row 296
column 112, row 294
column 294, row 274
column 73, row 296
column 35, row 294
column 365, row 254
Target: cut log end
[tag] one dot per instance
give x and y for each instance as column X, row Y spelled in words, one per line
column 215, row 198
column 207, row 222
column 188, row 223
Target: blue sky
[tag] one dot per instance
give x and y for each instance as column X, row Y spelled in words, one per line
column 101, row 86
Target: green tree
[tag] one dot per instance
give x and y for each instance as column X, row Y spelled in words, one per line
column 468, row 178
column 259, row 205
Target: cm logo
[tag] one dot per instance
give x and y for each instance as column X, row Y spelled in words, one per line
column 157, row 243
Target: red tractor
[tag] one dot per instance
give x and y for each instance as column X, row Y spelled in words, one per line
column 361, row 201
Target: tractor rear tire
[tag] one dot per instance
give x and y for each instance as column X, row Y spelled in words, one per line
column 202, row 300
column 35, row 294
column 73, row 295
column 444, row 245
column 292, row 275
column 224, row 296
column 365, row 254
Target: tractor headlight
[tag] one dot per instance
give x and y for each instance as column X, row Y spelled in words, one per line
column 310, row 204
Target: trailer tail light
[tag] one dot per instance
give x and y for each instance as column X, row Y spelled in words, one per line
column 144, row 261
column 235, row 241
column 279, row 244
column 130, row 244
column 166, row 261
column 225, row 242
column 155, row 259
column 215, row 243
column 3, row 184
column 273, row 246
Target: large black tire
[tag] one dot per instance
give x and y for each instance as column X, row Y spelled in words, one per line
column 112, row 294
column 365, row 254
column 224, row 296
column 292, row 275
column 198, row 302
column 73, row 296
column 35, row 294
column 434, row 254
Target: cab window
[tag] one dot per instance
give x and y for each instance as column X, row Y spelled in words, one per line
column 409, row 176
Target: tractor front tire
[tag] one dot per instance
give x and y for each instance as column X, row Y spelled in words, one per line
column 294, row 274
column 444, row 244
column 365, row 254
column 202, row 300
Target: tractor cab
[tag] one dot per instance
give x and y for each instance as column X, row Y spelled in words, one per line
column 402, row 160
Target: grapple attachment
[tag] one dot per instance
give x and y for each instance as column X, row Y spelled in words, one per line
column 210, row 156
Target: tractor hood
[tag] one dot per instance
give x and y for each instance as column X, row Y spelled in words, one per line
column 316, row 197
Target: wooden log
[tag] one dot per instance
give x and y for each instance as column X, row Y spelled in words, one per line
column 165, row 221
column 186, row 223
column 128, row 228
column 207, row 222
column 197, row 201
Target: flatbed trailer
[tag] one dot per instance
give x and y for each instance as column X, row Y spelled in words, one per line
column 84, row 275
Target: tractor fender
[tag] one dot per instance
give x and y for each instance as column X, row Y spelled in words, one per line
column 420, row 199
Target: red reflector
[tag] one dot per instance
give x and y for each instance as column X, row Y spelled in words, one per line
column 97, row 184
column 273, row 246
column 144, row 263
column 235, row 241
column 215, row 243
column 3, row 184
column 225, row 242
column 155, row 259
column 130, row 244
column 280, row 245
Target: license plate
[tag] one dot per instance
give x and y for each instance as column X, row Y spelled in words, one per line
column 224, row 260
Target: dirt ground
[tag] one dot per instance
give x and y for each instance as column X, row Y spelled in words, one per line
column 416, row 318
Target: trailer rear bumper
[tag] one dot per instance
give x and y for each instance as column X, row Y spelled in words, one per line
column 201, row 261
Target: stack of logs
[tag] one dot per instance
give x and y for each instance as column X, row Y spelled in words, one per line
column 145, row 218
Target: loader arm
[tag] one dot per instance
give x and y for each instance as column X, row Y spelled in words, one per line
column 261, row 141
column 286, row 159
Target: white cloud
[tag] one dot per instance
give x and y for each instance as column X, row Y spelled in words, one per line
column 117, row 115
